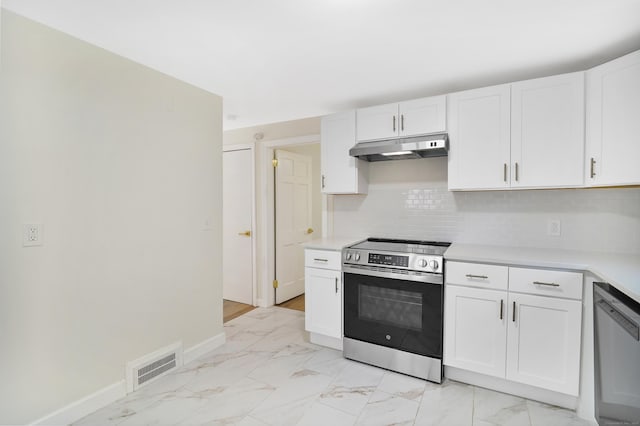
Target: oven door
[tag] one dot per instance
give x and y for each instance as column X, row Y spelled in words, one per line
column 401, row 313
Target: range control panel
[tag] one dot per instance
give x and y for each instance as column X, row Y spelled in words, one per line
column 388, row 259
column 410, row 261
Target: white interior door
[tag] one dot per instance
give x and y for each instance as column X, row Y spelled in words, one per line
column 237, row 208
column 293, row 221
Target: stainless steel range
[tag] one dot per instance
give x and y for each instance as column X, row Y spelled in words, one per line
column 393, row 305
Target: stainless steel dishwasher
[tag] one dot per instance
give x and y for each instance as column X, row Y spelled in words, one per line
column 617, row 356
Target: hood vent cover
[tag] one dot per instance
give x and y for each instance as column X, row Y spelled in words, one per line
column 402, row 149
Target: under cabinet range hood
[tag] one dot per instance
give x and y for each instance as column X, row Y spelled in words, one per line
column 436, row 145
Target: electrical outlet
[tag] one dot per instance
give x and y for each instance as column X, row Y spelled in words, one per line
column 553, row 227
column 32, row 234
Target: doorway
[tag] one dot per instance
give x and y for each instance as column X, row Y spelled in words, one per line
column 238, row 218
column 294, row 260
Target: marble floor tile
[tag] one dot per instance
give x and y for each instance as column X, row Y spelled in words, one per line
column 386, row 409
column 547, row 415
column 268, row 373
column 322, row 415
column 351, row 389
column 280, row 367
column 288, row 403
column 231, row 404
column 495, row 408
column 170, row 410
column 448, row 404
column 406, row 387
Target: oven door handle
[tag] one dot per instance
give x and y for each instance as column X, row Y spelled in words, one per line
column 423, row 277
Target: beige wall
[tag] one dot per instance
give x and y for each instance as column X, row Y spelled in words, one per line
column 122, row 165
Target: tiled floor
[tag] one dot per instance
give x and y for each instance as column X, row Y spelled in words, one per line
column 269, row 374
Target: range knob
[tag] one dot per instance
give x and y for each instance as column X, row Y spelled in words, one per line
column 422, row 263
column 348, row 255
column 434, row 265
column 356, row 256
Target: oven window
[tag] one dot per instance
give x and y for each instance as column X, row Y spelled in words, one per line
column 390, row 306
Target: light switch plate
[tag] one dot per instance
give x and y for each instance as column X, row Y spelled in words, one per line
column 32, row 234
column 554, row 227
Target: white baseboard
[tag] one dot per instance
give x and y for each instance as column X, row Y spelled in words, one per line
column 513, row 388
column 261, row 303
column 110, row 394
column 203, row 347
column 84, row 406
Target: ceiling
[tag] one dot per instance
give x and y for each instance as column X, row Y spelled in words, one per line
column 277, row 60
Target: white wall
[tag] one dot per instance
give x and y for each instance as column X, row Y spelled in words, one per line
column 409, row 198
column 122, row 165
column 281, row 130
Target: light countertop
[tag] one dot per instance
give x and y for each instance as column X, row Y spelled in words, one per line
column 620, row 270
column 331, row 243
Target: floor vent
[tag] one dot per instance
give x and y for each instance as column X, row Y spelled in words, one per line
column 151, row 366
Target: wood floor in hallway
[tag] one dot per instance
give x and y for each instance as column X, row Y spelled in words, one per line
column 231, row 309
column 296, row 303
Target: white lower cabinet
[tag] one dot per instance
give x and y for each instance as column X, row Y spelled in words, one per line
column 532, row 339
column 323, row 297
column 475, row 329
column 323, row 302
column 543, row 342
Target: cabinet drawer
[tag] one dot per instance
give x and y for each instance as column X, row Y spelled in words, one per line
column 544, row 282
column 477, row 275
column 324, row 259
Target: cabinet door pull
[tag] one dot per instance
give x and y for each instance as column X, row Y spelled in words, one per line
column 322, row 181
column 394, row 123
column 516, row 171
column 505, row 172
column 547, row 284
column 482, row 277
column 513, row 314
column 402, row 122
column 593, row 167
column 317, row 259
column 336, row 285
column 501, row 308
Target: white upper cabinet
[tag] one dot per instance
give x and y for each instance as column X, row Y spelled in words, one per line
column 423, row 116
column 479, row 138
column 528, row 134
column 341, row 173
column 613, row 124
column 547, row 132
column 416, row 117
column 378, row 122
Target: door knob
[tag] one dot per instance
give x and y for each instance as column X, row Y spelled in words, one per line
column 245, row 233
column 310, row 231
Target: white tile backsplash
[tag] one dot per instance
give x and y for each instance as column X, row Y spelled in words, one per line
column 410, row 199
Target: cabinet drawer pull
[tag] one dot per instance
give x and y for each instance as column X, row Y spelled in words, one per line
column 317, row 259
column 482, row 277
column 593, row 167
column 513, row 314
column 547, row 284
column 516, row 171
column 501, row 308
column 505, row 172
column 402, row 122
column 336, row 285
column 394, row 123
